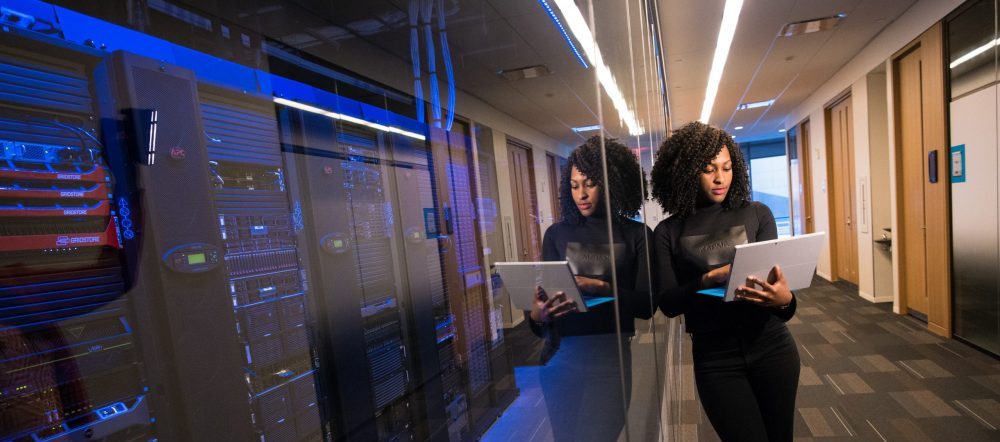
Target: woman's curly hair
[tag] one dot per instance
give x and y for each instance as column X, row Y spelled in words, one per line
column 682, row 158
column 627, row 184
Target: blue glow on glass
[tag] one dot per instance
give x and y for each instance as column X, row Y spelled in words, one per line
column 562, row 30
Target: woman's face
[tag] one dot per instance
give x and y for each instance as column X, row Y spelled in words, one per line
column 717, row 176
column 586, row 193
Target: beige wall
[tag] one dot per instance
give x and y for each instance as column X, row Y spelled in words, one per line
column 879, row 166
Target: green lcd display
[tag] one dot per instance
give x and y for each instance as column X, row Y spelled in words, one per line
column 196, row 258
column 338, row 243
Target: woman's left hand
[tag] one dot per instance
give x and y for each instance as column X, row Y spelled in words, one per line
column 592, row 286
column 772, row 293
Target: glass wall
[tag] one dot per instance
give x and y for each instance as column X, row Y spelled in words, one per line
column 769, row 168
column 278, row 220
column 972, row 39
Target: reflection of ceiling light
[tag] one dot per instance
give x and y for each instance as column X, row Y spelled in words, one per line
column 730, row 17
column 347, row 118
column 755, row 105
column 586, row 128
column 972, row 54
column 738, row 128
column 525, row 72
column 578, row 26
column 562, row 30
column 810, row 26
column 781, row 130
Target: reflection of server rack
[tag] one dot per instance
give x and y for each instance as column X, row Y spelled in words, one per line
column 490, row 382
column 67, row 350
column 265, row 279
column 441, row 374
column 197, row 356
column 348, row 224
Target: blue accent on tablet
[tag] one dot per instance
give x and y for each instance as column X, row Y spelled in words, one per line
column 591, row 302
column 719, row 292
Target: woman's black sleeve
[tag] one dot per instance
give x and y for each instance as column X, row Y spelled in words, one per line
column 674, row 298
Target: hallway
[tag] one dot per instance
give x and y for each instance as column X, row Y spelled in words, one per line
column 867, row 374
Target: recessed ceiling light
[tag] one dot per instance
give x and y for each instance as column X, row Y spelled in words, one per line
column 586, row 128
column 738, row 128
column 755, row 104
column 526, row 72
column 811, row 25
column 781, row 130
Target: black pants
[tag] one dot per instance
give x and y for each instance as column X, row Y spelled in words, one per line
column 747, row 381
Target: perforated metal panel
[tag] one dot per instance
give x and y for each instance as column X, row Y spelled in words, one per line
column 33, row 80
column 241, row 131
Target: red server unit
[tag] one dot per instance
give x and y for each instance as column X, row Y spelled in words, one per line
column 68, row 354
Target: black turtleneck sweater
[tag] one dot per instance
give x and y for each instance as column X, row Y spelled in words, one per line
column 688, row 248
column 586, row 247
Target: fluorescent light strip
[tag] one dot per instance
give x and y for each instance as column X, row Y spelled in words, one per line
column 755, row 104
column 974, row 53
column 347, row 118
column 578, row 26
column 586, row 128
column 562, row 30
column 727, row 30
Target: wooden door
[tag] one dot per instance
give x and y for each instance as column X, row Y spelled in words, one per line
column 528, row 244
column 554, row 181
column 843, row 216
column 922, row 191
column 805, row 172
column 911, row 235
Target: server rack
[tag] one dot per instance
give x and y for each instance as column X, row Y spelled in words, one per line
column 347, row 236
column 68, row 351
column 266, row 276
column 488, row 381
column 223, row 287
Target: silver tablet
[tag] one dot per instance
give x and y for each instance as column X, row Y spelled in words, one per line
column 797, row 256
column 521, row 278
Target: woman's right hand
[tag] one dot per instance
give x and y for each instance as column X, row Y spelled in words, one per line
column 716, row 277
column 546, row 308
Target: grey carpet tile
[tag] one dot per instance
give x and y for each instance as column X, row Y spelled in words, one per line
column 867, row 375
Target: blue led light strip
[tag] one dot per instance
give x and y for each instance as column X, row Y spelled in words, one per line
column 562, row 30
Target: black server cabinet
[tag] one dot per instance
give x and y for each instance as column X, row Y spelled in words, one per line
column 390, row 226
column 266, row 276
column 195, row 358
column 69, row 367
column 348, row 240
column 224, row 289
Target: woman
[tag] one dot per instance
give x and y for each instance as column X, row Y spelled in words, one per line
column 582, row 382
column 746, row 362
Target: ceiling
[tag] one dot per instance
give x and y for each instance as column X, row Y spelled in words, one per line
column 486, row 36
column 762, row 65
